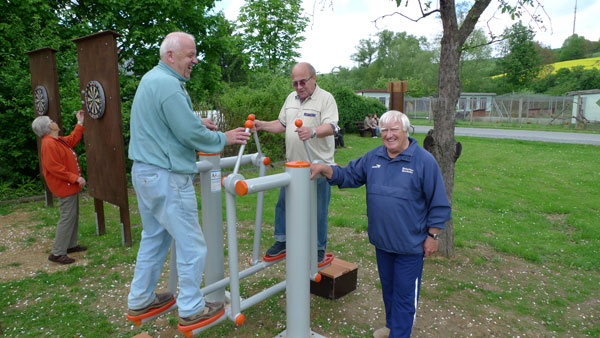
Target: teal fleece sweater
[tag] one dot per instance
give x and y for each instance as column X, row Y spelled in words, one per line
column 164, row 129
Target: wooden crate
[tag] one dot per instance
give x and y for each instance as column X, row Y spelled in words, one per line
column 337, row 280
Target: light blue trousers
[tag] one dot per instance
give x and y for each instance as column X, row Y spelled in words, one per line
column 323, row 197
column 168, row 207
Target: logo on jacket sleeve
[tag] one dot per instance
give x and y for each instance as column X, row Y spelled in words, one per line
column 407, row 170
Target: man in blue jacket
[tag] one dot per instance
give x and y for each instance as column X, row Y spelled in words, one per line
column 165, row 137
column 407, row 208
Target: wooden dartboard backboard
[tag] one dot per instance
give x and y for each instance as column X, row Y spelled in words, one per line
column 97, row 59
column 42, row 66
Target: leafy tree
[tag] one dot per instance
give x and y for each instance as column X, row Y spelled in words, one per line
column 449, row 87
column 393, row 57
column 573, row 48
column 29, row 24
column 545, row 53
column 401, row 55
column 365, row 52
column 522, row 63
column 271, row 31
column 232, row 60
column 566, row 80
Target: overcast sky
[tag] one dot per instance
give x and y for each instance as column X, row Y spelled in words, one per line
column 334, row 31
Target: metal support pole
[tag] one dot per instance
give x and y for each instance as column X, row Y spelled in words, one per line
column 260, row 200
column 212, row 224
column 234, row 277
column 297, row 208
column 313, row 227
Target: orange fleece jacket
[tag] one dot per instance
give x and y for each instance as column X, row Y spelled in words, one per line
column 60, row 164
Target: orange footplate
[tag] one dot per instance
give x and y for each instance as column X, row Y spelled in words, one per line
column 187, row 330
column 138, row 319
column 328, row 259
column 273, row 258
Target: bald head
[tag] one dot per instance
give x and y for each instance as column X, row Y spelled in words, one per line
column 178, row 50
column 304, row 79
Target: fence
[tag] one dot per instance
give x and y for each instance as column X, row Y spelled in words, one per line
column 538, row 109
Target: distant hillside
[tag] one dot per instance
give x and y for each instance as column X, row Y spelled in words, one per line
column 588, row 63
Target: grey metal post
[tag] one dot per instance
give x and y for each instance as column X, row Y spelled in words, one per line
column 260, row 199
column 297, row 264
column 212, row 224
column 313, row 227
column 234, row 277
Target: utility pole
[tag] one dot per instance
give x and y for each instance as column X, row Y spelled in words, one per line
column 574, row 16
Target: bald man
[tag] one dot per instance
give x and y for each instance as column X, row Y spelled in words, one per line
column 318, row 111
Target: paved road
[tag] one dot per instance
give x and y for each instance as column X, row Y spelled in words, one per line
column 529, row 135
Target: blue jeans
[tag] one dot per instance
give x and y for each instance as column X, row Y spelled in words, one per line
column 323, row 197
column 169, row 209
column 400, row 277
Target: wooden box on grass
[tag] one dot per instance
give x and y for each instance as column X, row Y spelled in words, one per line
column 337, row 280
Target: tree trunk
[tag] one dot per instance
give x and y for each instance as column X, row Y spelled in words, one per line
column 444, row 145
column 444, row 113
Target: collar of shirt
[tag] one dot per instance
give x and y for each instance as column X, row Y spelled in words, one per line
column 406, row 155
column 316, row 92
column 172, row 71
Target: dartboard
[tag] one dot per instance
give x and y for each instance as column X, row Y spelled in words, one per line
column 94, row 99
column 40, row 100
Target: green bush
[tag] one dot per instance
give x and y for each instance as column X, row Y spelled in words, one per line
column 352, row 107
column 263, row 97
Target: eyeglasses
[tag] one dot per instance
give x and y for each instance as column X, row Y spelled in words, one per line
column 301, row 82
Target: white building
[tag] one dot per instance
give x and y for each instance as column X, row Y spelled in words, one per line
column 381, row 94
column 589, row 103
column 467, row 102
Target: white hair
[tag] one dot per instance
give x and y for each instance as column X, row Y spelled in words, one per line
column 395, row 116
column 172, row 42
column 41, row 125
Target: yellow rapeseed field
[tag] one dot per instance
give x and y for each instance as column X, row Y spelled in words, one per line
column 588, row 63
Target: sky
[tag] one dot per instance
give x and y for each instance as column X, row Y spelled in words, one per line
column 337, row 26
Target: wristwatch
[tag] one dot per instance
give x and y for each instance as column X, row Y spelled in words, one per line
column 314, row 133
column 434, row 236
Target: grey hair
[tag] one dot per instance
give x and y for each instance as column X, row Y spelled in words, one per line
column 41, row 125
column 395, row 116
column 172, row 42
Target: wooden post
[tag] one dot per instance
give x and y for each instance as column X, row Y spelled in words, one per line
column 520, row 109
column 578, row 120
column 101, row 99
column 397, row 90
column 46, row 97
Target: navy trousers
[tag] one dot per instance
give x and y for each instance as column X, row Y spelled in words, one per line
column 400, row 277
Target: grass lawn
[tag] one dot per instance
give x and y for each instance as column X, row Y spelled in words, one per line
column 527, row 237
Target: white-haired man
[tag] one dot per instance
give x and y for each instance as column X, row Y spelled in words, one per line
column 165, row 136
column 407, row 208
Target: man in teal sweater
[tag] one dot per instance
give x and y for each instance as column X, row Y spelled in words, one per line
column 165, row 137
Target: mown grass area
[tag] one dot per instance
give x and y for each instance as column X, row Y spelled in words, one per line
column 593, row 128
column 527, row 240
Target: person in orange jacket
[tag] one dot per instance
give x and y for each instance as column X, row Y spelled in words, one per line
column 63, row 176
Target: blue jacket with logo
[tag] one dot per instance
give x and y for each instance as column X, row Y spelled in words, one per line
column 405, row 196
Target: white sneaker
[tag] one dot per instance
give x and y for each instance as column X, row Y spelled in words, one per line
column 383, row 332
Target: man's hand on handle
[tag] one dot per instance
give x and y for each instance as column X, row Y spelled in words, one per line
column 237, row 136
